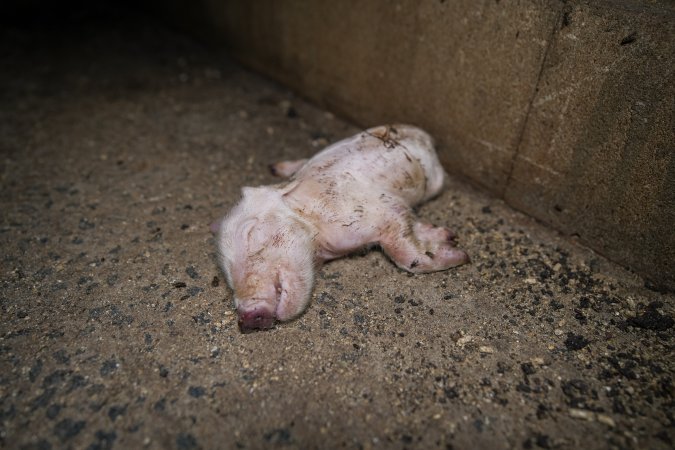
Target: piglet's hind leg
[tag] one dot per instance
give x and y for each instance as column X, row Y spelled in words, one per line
column 285, row 169
column 421, row 247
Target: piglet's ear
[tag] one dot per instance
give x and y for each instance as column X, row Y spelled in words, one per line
column 293, row 288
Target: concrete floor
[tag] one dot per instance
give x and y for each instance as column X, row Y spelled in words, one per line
column 122, row 141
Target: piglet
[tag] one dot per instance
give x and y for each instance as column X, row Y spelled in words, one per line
column 356, row 193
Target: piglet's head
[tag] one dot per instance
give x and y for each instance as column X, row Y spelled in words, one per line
column 266, row 254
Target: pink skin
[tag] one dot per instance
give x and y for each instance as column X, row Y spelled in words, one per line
column 356, row 193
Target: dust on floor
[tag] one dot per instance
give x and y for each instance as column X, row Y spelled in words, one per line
column 122, row 141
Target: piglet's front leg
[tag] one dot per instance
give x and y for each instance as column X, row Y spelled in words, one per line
column 420, row 247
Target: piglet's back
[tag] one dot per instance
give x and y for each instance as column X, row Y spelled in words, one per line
column 398, row 160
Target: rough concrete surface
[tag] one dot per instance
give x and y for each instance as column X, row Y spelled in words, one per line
column 438, row 64
column 602, row 123
column 122, row 141
column 563, row 108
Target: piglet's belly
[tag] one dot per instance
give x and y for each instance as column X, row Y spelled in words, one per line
column 343, row 222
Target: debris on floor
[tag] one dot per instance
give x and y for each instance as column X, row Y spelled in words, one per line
column 122, row 141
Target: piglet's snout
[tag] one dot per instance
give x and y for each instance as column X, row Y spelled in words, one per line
column 256, row 318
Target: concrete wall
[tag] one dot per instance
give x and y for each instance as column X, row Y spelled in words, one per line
column 562, row 108
column 597, row 154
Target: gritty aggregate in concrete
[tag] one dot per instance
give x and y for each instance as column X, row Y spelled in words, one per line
column 122, row 141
